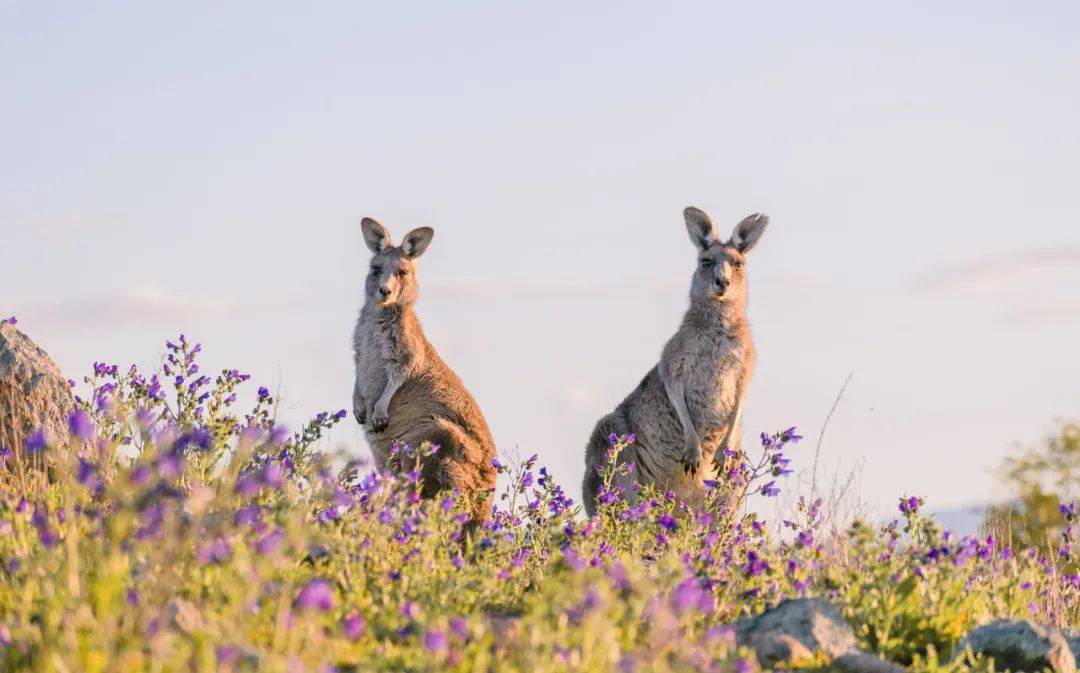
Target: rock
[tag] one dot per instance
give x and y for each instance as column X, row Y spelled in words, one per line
column 864, row 662
column 772, row 648
column 1073, row 638
column 33, row 392
column 795, row 631
column 813, row 623
column 1020, row 646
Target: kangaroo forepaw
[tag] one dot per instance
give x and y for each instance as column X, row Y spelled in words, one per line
column 380, row 420
column 691, row 459
column 360, row 415
column 690, row 467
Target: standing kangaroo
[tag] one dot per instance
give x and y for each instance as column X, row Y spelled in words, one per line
column 404, row 392
column 688, row 407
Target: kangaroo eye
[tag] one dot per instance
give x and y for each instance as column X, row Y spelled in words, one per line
column 706, row 263
column 402, row 273
column 376, row 270
column 737, row 264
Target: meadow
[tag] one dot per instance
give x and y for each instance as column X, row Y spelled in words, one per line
column 172, row 531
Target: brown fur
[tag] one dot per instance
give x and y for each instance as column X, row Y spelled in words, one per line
column 405, row 393
column 688, row 408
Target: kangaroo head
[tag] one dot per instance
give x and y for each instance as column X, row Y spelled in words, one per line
column 391, row 279
column 721, row 266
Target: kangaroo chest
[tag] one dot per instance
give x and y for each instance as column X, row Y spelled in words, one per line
column 382, row 346
column 714, row 370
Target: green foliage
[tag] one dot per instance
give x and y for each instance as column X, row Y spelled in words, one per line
column 1042, row 478
column 181, row 535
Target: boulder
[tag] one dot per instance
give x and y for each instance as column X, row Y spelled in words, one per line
column 1020, row 646
column 33, row 392
column 813, row 623
column 1073, row 638
column 798, row 630
column 773, row 648
column 858, row 661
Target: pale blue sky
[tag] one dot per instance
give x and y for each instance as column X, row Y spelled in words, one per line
column 204, row 168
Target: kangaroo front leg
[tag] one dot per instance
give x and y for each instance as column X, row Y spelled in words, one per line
column 359, row 407
column 691, row 453
column 380, row 413
column 731, row 439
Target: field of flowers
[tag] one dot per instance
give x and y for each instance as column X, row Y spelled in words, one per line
column 170, row 531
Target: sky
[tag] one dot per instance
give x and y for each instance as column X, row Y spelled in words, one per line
column 204, row 167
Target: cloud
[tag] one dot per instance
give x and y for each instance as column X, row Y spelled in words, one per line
column 1020, row 287
column 990, row 273
column 525, row 289
column 138, row 304
column 1042, row 313
column 521, row 289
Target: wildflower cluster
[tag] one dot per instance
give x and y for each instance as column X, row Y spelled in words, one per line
column 172, row 532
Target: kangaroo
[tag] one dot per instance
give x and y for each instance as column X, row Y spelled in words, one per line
column 404, row 392
column 688, row 407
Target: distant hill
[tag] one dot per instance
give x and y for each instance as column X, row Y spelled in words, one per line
column 962, row 520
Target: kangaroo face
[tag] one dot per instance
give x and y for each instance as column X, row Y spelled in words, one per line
column 720, row 274
column 721, row 266
column 391, row 278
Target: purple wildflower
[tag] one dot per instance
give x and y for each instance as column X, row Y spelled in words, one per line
column 214, row 551
column 353, row 626
column 270, row 542
column 246, row 516
column 37, row 441
column 227, row 655
column 689, row 596
column 315, row 595
column 910, row 505
column 742, row 665
column 87, row 475
column 436, row 640
column 460, row 627
column 272, row 475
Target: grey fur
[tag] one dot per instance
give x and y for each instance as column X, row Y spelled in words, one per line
column 404, row 391
column 688, row 408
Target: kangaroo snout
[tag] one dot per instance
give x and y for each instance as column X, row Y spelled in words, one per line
column 384, row 292
column 721, row 285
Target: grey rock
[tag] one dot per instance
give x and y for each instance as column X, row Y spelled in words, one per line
column 863, row 662
column 772, row 648
column 33, row 392
column 812, row 622
column 796, row 630
column 1072, row 636
column 1020, row 646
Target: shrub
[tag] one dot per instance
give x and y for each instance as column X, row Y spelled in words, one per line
column 180, row 534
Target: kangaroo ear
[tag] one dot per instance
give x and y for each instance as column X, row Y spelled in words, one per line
column 416, row 241
column 748, row 232
column 700, row 227
column 375, row 235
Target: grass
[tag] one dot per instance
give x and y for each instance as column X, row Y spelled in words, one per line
column 179, row 534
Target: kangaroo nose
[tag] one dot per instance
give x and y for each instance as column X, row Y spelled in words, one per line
column 384, row 291
column 721, row 284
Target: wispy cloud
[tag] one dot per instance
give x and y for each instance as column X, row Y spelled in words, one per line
column 1020, row 287
column 146, row 303
column 522, row 289
column 525, row 289
column 1042, row 313
column 1033, row 266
